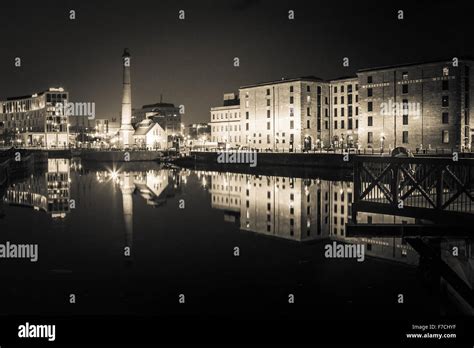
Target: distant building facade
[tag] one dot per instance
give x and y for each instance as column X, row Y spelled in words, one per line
column 167, row 115
column 344, row 124
column 226, row 128
column 418, row 106
column 149, row 135
column 36, row 120
column 198, row 131
column 428, row 106
column 105, row 127
column 285, row 115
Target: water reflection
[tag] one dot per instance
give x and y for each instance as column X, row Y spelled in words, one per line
column 283, row 207
column 303, row 210
column 300, row 210
column 49, row 191
column 154, row 186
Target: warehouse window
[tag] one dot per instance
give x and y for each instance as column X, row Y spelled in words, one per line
column 445, row 136
column 370, row 137
column 405, row 137
column 445, row 101
column 445, row 117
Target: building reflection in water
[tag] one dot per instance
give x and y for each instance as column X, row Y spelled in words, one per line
column 290, row 208
column 313, row 209
column 127, row 187
column 301, row 210
column 49, row 192
column 154, row 186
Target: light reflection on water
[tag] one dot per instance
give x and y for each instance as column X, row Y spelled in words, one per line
column 78, row 197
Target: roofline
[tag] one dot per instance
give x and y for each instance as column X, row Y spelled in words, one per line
column 344, row 78
column 38, row 94
column 388, row 67
column 284, row 80
column 226, row 107
column 158, row 105
column 24, row 97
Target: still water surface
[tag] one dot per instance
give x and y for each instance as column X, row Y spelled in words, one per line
column 182, row 228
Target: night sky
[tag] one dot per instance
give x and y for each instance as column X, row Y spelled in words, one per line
column 190, row 61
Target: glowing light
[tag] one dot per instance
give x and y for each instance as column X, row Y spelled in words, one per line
column 114, row 175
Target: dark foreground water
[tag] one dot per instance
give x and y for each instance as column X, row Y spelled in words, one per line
column 235, row 245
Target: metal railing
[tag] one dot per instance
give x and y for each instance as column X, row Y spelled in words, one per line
column 439, row 184
column 362, row 151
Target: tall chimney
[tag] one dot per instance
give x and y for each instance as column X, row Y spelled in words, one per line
column 126, row 129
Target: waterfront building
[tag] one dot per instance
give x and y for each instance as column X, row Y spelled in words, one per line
column 149, row 135
column 285, row 115
column 167, row 115
column 79, row 126
column 419, row 106
column 198, row 131
column 226, row 128
column 344, row 123
column 36, row 120
column 198, row 135
column 104, row 128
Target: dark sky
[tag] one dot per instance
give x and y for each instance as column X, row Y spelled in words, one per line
column 191, row 62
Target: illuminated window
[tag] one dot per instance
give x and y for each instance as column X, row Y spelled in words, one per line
column 445, row 136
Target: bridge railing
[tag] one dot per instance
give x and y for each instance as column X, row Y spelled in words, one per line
column 395, row 183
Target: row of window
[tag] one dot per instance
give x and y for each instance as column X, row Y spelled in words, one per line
column 223, row 139
column 444, row 104
column 292, row 89
column 370, row 90
column 405, row 75
column 308, row 89
column 226, row 128
column 444, row 119
column 22, row 116
column 349, row 111
column 445, row 99
column 349, row 99
column 405, row 139
column 349, row 88
column 308, row 112
column 30, row 104
column 226, row 116
column 349, row 124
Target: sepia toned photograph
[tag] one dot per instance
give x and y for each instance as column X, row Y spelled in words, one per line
column 239, row 171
